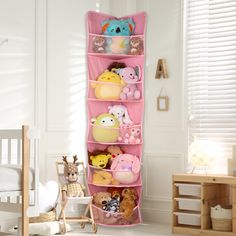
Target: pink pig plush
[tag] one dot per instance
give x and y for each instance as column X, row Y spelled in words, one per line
column 133, row 137
column 130, row 76
column 126, row 168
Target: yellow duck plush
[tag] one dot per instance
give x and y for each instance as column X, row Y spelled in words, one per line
column 108, row 86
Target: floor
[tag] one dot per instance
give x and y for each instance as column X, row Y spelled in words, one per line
column 149, row 229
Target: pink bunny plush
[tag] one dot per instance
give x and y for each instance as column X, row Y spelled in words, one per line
column 121, row 113
column 126, row 168
column 130, row 76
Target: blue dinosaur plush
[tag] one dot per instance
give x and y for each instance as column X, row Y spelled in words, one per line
column 123, row 27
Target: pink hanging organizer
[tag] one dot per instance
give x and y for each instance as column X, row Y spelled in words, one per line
column 107, row 128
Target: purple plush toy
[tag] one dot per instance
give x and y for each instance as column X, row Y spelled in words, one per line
column 130, row 76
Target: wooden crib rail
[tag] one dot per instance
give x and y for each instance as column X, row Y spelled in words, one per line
column 25, row 180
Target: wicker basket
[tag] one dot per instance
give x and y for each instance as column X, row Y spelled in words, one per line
column 222, row 224
column 44, row 217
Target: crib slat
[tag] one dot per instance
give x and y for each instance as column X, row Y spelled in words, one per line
column 9, row 151
column 18, row 151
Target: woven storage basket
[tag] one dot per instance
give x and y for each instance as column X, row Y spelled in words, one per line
column 221, row 224
column 44, row 217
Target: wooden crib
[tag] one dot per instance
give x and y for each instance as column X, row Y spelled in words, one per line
column 19, row 165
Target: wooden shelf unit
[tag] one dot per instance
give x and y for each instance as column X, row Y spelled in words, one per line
column 214, row 189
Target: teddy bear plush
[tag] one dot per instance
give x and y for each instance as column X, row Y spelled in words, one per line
column 128, row 202
column 104, row 178
column 73, row 188
column 123, row 27
column 121, row 113
column 100, row 161
column 99, row 44
column 130, row 76
column 100, row 199
column 114, row 151
column 135, row 46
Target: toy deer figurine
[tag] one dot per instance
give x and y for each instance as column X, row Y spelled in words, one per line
column 73, row 188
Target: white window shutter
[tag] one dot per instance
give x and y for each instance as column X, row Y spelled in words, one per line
column 211, row 73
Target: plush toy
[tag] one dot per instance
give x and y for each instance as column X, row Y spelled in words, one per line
column 132, row 137
column 116, row 65
column 136, row 46
column 128, row 203
column 108, row 86
column 100, row 199
column 100, row 161
column 118, row 45
column 114, row 151
column 126, row 168
column 99, row 44
column 130, row 76
column 72, row 188
column 105, row 128
column 113, row 205
column 123, row 27
column 121, row 113
column 104, row 178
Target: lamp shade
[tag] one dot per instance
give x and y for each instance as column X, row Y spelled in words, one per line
column 202, row 153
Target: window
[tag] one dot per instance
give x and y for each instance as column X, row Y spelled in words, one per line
column 210, row 64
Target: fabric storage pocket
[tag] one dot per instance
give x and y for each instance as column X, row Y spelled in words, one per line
column 188, row 219
column 127, row 45
column 107, row 177
column 189, row 204
column 106, row 90
column 106, row 218
column 189, row 189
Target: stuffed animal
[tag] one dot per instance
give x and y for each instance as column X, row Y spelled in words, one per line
column 130, row 76
column 136, row 46
column 132, row 137
column 99, row 44
column 114, row 151
column 104, row 178
column 122, row 27
column 128, row 203
column 108, row 86
column 105, row 128
column 100, row 161
column 126, row 168
column 72, row 188
column 113, row 205
column 100, row 199
column 118, row 45
column 116, row 65
column 121, row 113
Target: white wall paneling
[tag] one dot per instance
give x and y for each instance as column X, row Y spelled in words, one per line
column 17, row 62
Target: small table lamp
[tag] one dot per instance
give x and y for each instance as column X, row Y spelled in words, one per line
column 201, row 153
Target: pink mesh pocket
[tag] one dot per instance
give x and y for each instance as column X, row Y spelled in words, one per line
column 115, row 219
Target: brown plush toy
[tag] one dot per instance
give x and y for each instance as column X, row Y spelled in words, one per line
column 136, row 46
column 128, row 203
column 99, row 44
column 73, row 188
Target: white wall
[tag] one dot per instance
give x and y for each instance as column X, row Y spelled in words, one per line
column 56, row 94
